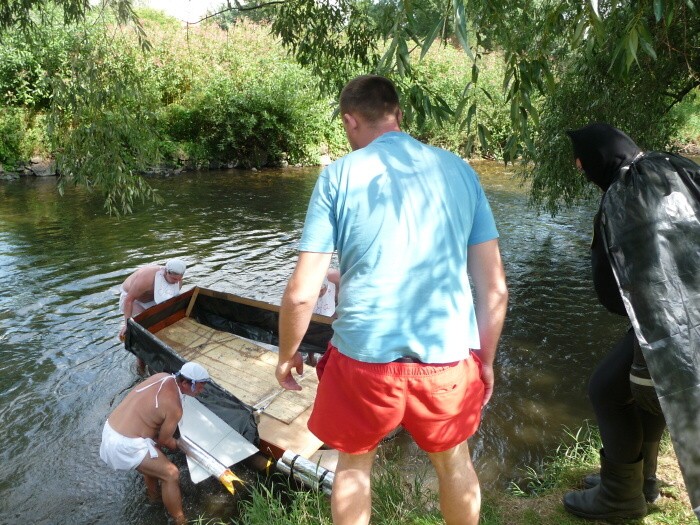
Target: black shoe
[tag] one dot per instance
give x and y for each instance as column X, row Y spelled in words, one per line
column 618, row 495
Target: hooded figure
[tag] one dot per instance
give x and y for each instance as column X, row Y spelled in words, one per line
column 645, row 248
column 602, row 150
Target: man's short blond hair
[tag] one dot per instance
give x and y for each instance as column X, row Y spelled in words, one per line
column 372, row 96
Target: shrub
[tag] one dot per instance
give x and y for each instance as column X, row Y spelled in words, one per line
column 11, row 135
column 447, row 73
column 253, row 123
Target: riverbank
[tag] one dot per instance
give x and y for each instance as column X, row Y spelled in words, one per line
column 540, row 500
column 535, row 500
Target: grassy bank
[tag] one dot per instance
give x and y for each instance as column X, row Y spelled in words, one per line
column 537, row 499
column 534, row 500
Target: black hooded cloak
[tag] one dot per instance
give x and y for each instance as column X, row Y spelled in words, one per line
column 603, row 151
column 649, row 227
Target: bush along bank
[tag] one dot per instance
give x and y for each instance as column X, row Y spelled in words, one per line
column 201, row 98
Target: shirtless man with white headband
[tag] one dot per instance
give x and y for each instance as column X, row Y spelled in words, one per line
column 148, row 286
column 145, row 420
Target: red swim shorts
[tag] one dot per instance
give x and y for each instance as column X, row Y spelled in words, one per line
column 321, row 364
column 357, row 403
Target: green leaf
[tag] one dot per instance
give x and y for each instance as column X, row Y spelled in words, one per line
column 469, row 145
column 616, row 62
column 669, row 17
column 389, row 53
column 484, row 136
column 658, row 9
column 470, row 114
column 460, row 107
column 632, row 46
column 488, row 95
column 403, row 60
column 510, row 149
column 428, row 42
column 645, row 41
column 460, row 27
column 579, row 32
column 594, row 8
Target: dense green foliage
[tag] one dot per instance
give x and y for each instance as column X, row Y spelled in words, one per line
column 622, row 62
column 12, row 128
column 200, row 97
column 492, row 78
column 641, row 101
column 103, row 120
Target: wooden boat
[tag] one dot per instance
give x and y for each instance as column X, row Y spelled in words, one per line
column 234, row 338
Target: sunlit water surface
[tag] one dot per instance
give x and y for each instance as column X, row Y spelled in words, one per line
column 62, row 368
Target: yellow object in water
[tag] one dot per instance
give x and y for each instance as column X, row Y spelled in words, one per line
column 228, row 478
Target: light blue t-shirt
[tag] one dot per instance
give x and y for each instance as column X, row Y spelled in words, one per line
column 401, row 215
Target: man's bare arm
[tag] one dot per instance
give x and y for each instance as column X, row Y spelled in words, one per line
column 491, row 300
column 298, row 302
column 141, row 285
column 173, row 414
column 128, row 306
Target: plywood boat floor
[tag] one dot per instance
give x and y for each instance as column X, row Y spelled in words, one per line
column 241, row 367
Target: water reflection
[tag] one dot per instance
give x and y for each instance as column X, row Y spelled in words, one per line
column 62, row 368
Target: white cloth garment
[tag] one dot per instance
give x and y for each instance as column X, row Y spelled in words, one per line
column 122, row 298
column 326, row 301
column 124, row 453
column 162, row 289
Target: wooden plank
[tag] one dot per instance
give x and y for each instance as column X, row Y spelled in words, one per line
column 166, row 322
column 153, row 316
column 238, row 299
column 192, row 301
column 241, row 367
column 294, row 436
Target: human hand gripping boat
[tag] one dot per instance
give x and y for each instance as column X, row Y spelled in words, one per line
column 243, row 414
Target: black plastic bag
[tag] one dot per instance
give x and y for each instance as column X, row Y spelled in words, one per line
column 651, row 223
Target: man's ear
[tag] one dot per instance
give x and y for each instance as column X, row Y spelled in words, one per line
column 349, row 121
column 399, row 116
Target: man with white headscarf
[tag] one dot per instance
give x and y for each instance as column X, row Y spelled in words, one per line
column 147, row 419
column 148, row 286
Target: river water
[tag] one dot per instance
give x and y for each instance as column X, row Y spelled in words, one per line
column 62, row 368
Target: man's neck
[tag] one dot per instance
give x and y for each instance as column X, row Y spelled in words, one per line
column 377, row 131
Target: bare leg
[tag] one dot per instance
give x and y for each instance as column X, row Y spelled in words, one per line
column 351, row 499
column 161, row 468
column 460, row 496
column 152, row 489
column 140, row 366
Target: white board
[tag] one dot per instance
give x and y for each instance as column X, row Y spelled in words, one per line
column 212, row 434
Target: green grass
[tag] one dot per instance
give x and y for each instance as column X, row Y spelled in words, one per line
column 576, row 455
column 281, row 504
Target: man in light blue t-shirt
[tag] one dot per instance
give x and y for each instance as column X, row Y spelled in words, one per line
column 410, row 346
